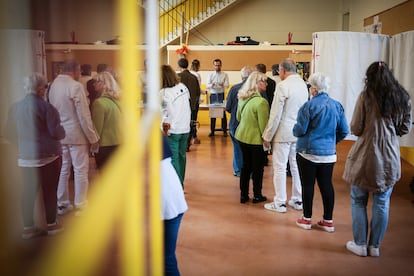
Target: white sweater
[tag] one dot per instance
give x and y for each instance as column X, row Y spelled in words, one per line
column 176, row 108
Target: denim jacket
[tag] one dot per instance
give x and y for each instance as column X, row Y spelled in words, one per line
column 321, row 123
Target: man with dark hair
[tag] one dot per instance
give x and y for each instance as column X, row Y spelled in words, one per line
column 86, row 75
column 193, row 86
column 271, row 84
column 268, row 95
column 217, row 83
column 101, row 67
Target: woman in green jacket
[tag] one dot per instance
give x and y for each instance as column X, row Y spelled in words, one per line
column 252, row 113
column 106, row 116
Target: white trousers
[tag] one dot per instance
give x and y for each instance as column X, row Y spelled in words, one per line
column 78, row 156
column 282, row 152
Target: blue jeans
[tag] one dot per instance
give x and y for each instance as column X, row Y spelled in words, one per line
column 237, row 155
column 171, row 228
column 379, row 220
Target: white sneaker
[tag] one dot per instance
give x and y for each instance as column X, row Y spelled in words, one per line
column 79, row 211
column 297, row 205
column 64, row 209
column 275, row 208
column 373, row 251
column 360, row 250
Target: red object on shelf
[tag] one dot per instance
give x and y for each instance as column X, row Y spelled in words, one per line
column 72, row 36
column 290, row 35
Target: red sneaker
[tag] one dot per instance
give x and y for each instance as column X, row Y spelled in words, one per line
column 327, row 226
column 304, row 223
column 54, row 229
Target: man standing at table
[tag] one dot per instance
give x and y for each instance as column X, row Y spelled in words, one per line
column 217, row 83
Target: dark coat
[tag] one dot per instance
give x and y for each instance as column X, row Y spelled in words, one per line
column 193, row 86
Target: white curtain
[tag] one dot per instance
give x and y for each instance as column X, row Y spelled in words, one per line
column 402, row 65
column 23, row 52
column 345, row 57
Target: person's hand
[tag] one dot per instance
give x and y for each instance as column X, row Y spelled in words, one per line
column 94, row 148
column 165, row 129
column 266, row 145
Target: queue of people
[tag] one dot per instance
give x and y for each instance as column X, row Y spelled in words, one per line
column 59, row 133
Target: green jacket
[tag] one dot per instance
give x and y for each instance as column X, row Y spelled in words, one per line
column 106, row 117
column 253, row 114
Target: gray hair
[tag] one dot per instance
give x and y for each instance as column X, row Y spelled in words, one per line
column 245, row 72
column 33, row 82
column 288, row 65
column 320, row 81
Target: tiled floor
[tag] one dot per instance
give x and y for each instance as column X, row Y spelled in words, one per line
column 220, row 236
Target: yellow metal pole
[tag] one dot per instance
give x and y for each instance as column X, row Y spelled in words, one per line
column 153, row 112
column 133, row 234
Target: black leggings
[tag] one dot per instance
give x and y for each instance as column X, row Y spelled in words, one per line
column 45, row 178
column 253, row 164
column 322, row 172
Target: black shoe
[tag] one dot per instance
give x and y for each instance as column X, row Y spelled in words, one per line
column 225, row 134
column 244, row 199
column 211, row 134
column 258, row 199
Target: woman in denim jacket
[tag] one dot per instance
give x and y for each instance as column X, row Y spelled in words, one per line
column 320, row 125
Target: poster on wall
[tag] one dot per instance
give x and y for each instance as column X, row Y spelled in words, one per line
column 373, row 28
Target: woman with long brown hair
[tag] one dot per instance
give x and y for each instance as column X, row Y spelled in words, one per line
column 382, row 112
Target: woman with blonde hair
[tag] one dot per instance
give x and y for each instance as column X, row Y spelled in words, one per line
column 253, row 114
column 106, row 116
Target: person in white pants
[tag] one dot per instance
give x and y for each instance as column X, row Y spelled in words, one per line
column 290, row 94
column 67, row 95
